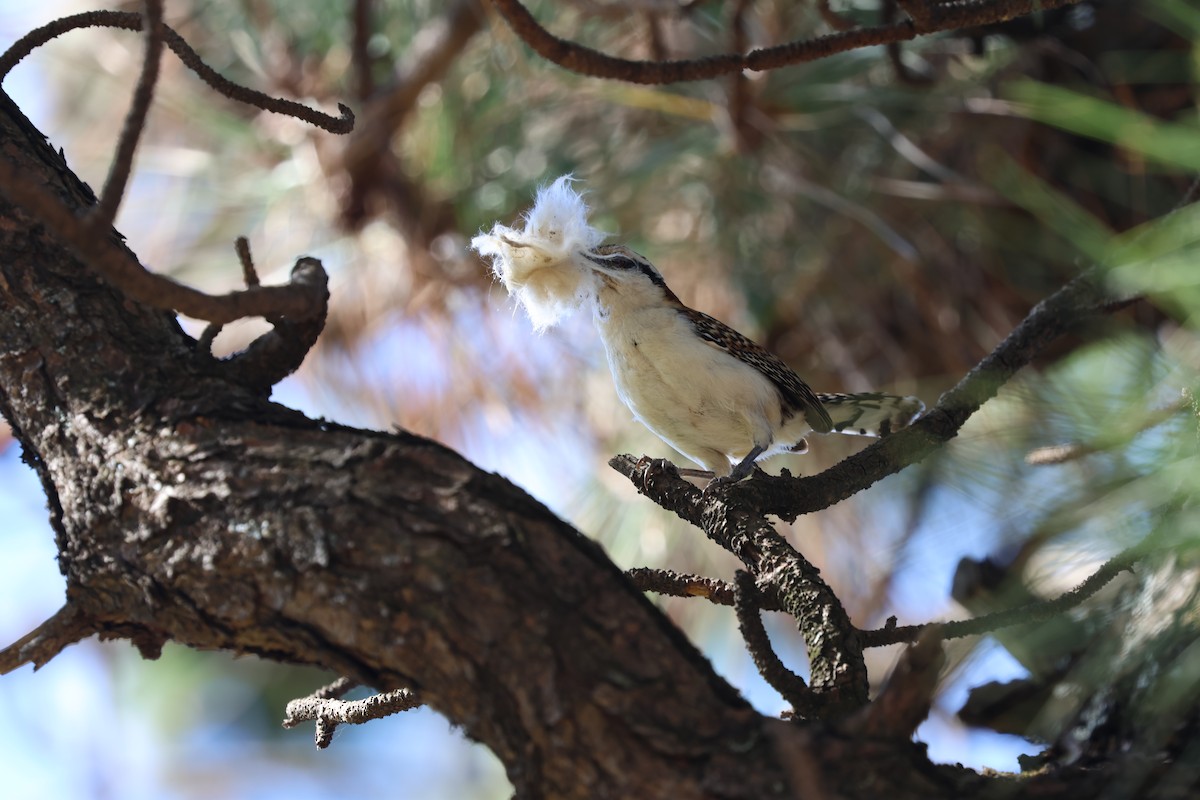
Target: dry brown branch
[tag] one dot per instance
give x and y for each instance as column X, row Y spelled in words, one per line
column 278, row 353
column 129, row 20
column 674, row 584
column 47, row 640
column 105, row 212
column 1079, row 301
column 586, row 61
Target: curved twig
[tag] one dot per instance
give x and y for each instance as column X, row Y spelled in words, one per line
column 789, row 685
column 130, row 20
column 586, row 61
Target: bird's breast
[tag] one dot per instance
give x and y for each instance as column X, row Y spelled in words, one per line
column 684, row 389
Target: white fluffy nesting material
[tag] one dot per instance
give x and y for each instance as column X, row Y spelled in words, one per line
column 542, row 264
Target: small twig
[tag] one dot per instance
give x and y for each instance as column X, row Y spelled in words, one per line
column 325, row 707
column 1070, row 451
column 1057, row 454
column 47, row 640
column 674, row 584
column 789, row 685
column 128, row 20
column 249, row 274
column 1031, row 612
column 904, row 701
column 105, row 211
column 586, row 61
column 336, row 690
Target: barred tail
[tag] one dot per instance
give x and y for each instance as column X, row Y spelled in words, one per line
column 870, row 413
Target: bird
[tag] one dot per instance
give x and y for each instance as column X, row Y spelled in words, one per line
column 709, row 392
column 700, row 386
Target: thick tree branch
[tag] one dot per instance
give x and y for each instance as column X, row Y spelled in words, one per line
column 188, row 508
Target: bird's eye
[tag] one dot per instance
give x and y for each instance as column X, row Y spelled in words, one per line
column 613, row 260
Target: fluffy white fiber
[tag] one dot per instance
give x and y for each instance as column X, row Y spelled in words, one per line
column 541, row 265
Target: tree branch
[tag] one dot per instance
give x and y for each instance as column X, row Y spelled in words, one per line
column 789, row 685
column 129, row 20
column 105, row 212
column 839, row 676
column 586, row 61
column 47, row 640
column 109, row 258
column 904, row 702
column 328, row 710
column 674, row 584
column 1081, row 300
column 1031, row 612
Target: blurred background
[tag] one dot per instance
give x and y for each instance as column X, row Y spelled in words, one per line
column 880, row 219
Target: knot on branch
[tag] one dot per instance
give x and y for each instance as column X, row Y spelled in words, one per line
column 279, row 352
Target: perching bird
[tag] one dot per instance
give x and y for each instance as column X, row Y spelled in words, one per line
column 703, row 388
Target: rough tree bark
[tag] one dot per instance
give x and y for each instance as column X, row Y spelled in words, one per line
column 189, row 508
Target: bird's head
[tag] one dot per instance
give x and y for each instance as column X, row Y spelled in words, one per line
column 628, row 275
